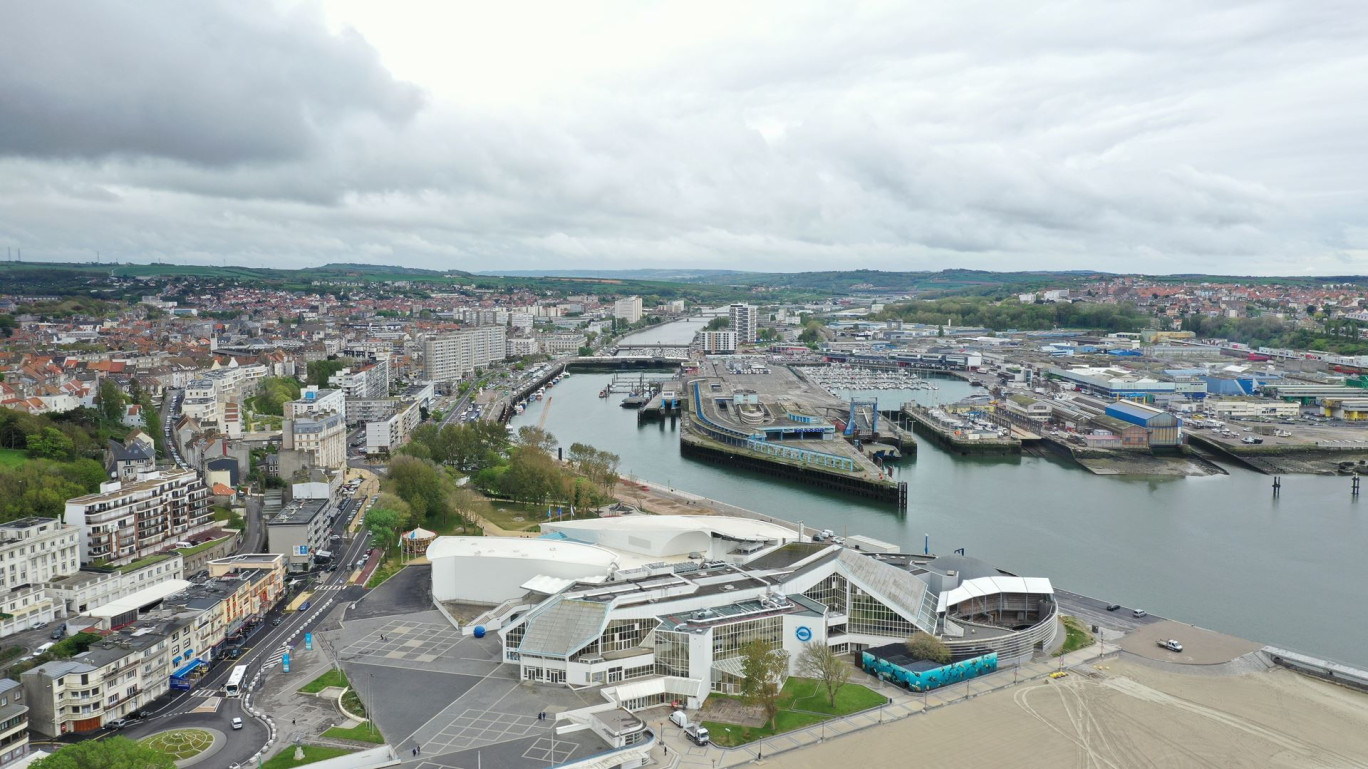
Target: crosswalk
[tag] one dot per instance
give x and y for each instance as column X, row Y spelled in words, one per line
column 340, row 586
column 203, row 693
column 276, row 656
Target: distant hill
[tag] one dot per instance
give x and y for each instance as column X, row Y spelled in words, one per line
column 674, row 276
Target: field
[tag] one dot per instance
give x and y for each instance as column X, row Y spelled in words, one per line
column 1078, row 636
column 181, row 744
column 13, row 457
column 1124, row 715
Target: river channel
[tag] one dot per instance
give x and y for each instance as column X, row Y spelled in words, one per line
column 1220, row 552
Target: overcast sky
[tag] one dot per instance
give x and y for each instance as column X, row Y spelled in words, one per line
column 1187, row 136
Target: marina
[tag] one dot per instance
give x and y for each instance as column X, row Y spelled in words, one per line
column 1041, row 513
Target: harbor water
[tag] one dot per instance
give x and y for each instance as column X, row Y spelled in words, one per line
column 1220, row 552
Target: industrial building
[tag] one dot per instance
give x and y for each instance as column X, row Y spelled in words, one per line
column 1162, row 428
column 659, row 607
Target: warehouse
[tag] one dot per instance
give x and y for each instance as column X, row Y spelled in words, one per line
column 1163, row 429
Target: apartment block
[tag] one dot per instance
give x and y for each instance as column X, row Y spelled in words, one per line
column 628, row 309
column 367, row 382
column 158, row 639
column 718, row 342
column 386, row 435
column 449, row 357
column 299, row 531
column 34, row 551
column 91, row 586
column 561, row 344
column 127, row 521
column 14, row 723
column 744, row 320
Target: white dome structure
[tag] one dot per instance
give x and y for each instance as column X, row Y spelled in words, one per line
column 721, row 537
column 489, row 570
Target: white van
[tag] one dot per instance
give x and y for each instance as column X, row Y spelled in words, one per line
column 43, row 648
column 680, row 718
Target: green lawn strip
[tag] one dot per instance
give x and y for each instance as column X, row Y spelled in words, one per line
column 330, row 678
column 13, row 457
column 1077, row 636
column 384, row 571
column 312, row 753
column 189, row 551
column 352, row 703
column 731, row 735
column 360, row 733
column 504, row 514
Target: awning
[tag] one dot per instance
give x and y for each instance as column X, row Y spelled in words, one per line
column 188, row 669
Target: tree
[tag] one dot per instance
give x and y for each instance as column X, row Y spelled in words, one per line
column 111, row 753
column 51, row 443
column 111, row 400
column 925, row 646
column 533, row 476
column 537, row 438
column 383, row 524
column 718, row 323
column 598, row 467
column 320, row 371
column 819, row 661
column 764, row 669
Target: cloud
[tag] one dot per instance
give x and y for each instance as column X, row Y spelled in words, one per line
column 1150, row 137
column 213, row 83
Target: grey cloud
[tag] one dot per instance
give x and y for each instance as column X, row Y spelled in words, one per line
column 216, row 83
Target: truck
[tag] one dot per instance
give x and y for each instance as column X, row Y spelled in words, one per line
column 697, row 733
column 1170, row 644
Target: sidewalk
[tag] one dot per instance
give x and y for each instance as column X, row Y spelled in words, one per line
column 903, row 704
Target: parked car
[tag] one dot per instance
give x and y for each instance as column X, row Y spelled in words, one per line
column 1113, row 606
column 37, row 624
column 1139, row 613
column 117, row 723
column 1171, row 645
column 275, row 622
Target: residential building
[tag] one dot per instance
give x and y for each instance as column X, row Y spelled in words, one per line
column 125, row 521
column 157, row 639
column 556, row 345
column 628, row 309
column 322, row 440
column 367, row 382
column 448, row 357
column 744, row 320
column 83, row 590
column 386, row 435
column 14, row 723
column 33, row 551
column 299, row 531
column 519, row 346
column 718, row 342
column 313, row 401
column 124, row 460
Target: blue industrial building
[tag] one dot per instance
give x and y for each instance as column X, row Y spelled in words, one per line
column 1162, row 427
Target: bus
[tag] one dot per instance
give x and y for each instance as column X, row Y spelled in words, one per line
column 234, row 686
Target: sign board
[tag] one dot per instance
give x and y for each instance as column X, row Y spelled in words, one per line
column 285, row 662
column 804, row 633
column 301, row 550
column 308, row 641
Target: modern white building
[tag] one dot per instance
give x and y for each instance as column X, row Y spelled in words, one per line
column 488, row 570
column 90, row 587
column 386, row 435
column 300, row 532
column 127, row 521
column 366, row 382
column 744, row 320
column 658, row 626
column 628, row 309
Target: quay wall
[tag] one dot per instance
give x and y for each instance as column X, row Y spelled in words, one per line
column 1318, row 668
column 694, row 448
column 923, row 426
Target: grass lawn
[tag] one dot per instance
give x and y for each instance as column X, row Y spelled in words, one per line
column 387, row 568
column 312, row 753
column 505, row 515
column 141, row 562
column 361, row 733
column 189, row 551
column 180, row 744
column 352, row 702
column 1077, row 636
column 802, row 703
column 13, row 457
column 330, row 678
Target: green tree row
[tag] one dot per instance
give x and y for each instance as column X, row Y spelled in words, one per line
column 1010, row 314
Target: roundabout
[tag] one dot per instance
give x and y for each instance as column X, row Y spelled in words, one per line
column 186, row 746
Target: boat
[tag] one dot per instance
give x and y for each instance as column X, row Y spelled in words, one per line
column 603, row 393
column 636, row 400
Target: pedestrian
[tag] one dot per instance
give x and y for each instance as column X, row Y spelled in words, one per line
column 292, row 722
column 415, row 752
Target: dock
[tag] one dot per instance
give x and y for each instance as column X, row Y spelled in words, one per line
column 956, row 435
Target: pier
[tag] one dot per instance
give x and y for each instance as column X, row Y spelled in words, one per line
column 957, row 435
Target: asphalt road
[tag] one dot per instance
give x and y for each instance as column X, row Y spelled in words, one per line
column 1094, row 612
column 170, row 412
column 259, row 650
